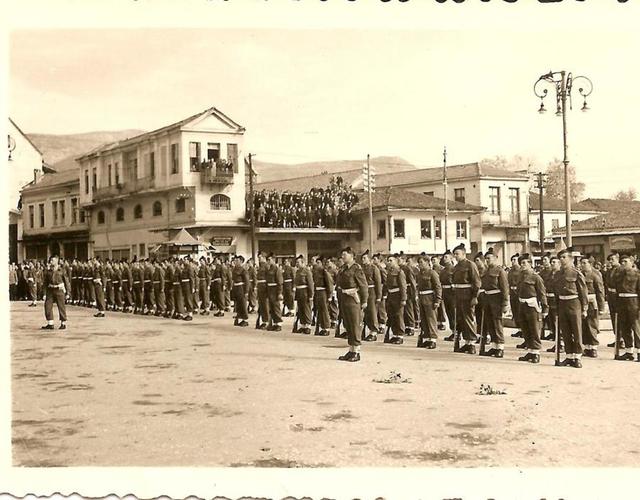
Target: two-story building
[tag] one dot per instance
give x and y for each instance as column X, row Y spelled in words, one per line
column 140, row 192
column 53, row 221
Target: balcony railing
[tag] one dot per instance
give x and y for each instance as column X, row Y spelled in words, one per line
column 128, row 187
column 504, row 218
column 218, row 172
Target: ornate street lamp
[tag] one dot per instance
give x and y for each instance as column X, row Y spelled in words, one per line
column 563, row 83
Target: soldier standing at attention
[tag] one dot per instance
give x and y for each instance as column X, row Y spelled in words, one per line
column 610, row 281
column 98, row 282
column 158, row 288
column 228, row 283
column 253, row 276
column 448, row 297
column 595, row 297
column 381, row 305
column 147, row 286
column 204, row 280
column 168, row 287
column 628, row 290
column 274, row 292
column 482, row 267
column 127, row 284
column 137, row 273
column 240, row 284
column 117, row 286
column 532, row 298
column 374, row 284
column 30, row 277
column 323, row 289
column 496, row 299
column 188, row 280
column 396, row 292
column 353, row 291
column 435, row 265
column 304, row 289
column 409, row 310
column 53, row 282
column 108, row 282
column 429, row 300
column 287, row 287
column 261, row 288
column 552, row 318
column 546, row 273
column 465, row 282
column 514, row 279
column 217, row 282
column 571, row 295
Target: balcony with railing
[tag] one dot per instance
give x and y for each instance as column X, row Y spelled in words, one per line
column 129, row 187
column 214, row 172
column 504, row 218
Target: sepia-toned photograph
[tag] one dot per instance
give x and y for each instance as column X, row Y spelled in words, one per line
column 323, row 248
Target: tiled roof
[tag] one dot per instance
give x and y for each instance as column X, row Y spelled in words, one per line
column 140, row 137
column 620, row 215
column 399, row 198
column 50, row 180
column 557, row 204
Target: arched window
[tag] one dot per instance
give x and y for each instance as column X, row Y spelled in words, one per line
column 100, row 217
column 137, row 212
column 119, row 214
column 220, row 202
column 180, row 205
column 157, row 209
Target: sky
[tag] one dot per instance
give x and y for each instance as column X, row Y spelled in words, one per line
column 306, row 95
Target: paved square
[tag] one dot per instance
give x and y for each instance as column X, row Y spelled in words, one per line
column 143, row 391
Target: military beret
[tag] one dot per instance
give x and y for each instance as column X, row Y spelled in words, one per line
column 624, row 256
column 489, row 252
column 301, row 257
column 366, row 252
column 479, row 255
column 460, row 247
column 563, row 252
column 347, row 250
column 523, row 257
column 448, row 252
column 240, row 258
column 515, row 256
column 547, row 254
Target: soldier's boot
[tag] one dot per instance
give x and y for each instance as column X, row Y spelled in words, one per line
column 243, row 323
column 490, row 352
column 396, row 340
column 535, row 359
column 526, row 357
column 451, row 337
column 276, row 328
column 576, row 363
column 522, row 346
column 430, row 344
column 99, row 314
column 627, row 356
column 517, row 334
column 638, row 360
column 470, row 349
column 566, row 362
column 499, row 353
column 553, row 348
column 62, row 326
column 421, row 341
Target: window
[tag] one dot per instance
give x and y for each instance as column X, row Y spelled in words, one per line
column 194, row 156
column 425, row 229
column 232, row 156
column 32, row 216
column 117, row 174
column 555, row 223
column 143, row 250
column 134, row 167
column 180, row 205
column 494, row 196
column 81, row 216
column 86, row 182
column 94, row 186
column 109, row 174
column 220, row 202
column 175, row 159
column 458, row 194
column 437, row 229
column 100, row 217
column 429, row 193
column 54, row 211
column 398, row 228
column 461, row 229
column 514, row 199
column 157, row 209
column 41, row 213
column 213, row 151
column 152, row 164
column 382, row 229
column 63, row 218
column 119, row 214
column 74, row 210
column 137, row 212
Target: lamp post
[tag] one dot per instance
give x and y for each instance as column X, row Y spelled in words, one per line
column 563, row 83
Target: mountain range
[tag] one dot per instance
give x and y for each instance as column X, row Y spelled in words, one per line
column 60, row 151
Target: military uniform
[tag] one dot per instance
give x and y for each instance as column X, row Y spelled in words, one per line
column 188, row 281
column 253, row 276
column 304, row 290
column 204, row 281
column 240, row 280
column 138, row 293
column 627, row 293
column 274, row 294
column 169, row 273
column 30, row 277
column 381, row 305
column 116, row 281
column 323, row 290
column 409, row 308
column 147, row 285
column 429, row 300
column 610, row 283
column 287, row 288
column 353, row 291
column 514, row 279
column 218, row 280
column 374, row 285
column 532, row 299
column 127, row 284
column 108, row 286
column 98, row 282
column 465, row 282
column 571, row 298
column 448, row 296
column 76, row 295
column 396, row 291
column 261, row 290
column 228, row 285
column 53, row 282
column 158, row 288
column 591, row 324
column 547, row 274
column 495, row 284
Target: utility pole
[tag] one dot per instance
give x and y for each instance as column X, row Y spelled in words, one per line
column 252, row 211
column 540, row 185
column 446, row 200
column 368, row 181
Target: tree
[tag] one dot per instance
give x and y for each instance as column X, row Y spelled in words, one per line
column 516, row 163
column 628, row 195
column 555, row 181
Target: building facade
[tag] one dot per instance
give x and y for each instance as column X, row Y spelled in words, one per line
column 140, row 192
column 52, row 219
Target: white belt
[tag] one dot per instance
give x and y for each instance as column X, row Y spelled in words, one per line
column 481, row 290
column 217, row 279
column 461, row 285
column 272, row 284
column 147, row 281
column 531, row 302
column 349, row 290
column 239, row 283
column 288, row 281
column 591, row 296
column 551, row 295
column 425, row 292
column 261, row 281
column 97, row 280
column 393, row 290
column 60, row 285
column 300, row 286
column 612, row 290
column 30, row 279
column 156, row 282
column 186, row 281
column 567, row 297
column 320, row 288
column 446, row 287
column 135, row 282
column 627, row 295
column 492, row 292
column 371, row 286
column 176, row 282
